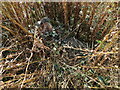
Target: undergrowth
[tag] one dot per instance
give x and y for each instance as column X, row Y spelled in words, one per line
column 81, row 50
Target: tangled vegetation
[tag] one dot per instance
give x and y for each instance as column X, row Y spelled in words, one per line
column 76, row 47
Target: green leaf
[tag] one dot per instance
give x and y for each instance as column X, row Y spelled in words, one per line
column 98, row 41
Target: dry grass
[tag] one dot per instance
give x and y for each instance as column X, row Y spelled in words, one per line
column 95, row 66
